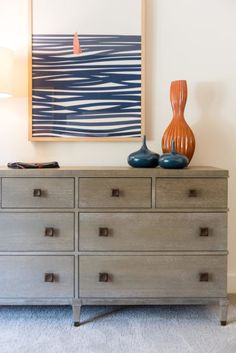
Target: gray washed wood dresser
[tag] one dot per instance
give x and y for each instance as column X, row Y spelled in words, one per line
column 91, row 236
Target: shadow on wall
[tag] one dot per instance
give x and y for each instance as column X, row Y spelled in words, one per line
column 150, row 59
column 215, row 134
column 213, row 130
column 20, row 75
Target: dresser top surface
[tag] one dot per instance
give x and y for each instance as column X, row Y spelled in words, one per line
column 83, row 171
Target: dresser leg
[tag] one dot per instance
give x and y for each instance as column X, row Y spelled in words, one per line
column 76, row 314
column 224, row 304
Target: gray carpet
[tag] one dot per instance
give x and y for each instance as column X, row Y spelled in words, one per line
column 169, row 329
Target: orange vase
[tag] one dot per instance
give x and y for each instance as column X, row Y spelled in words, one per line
column 178, row 130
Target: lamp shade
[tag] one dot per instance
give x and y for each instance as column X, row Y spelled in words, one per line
column 6, row 65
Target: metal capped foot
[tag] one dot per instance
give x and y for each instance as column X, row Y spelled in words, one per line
column 224, row 303
column 76, row 314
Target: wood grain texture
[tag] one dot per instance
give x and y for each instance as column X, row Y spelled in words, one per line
column 56, row 193
column 23, row 276
column 36, row 301
column 148, row 301
column 174, row 193
column 97, row 192
column 106, row 171
column 26, row 231
column 150, row 232
column 224, row 306
column 152, row 276
column 153, row 255
column 76, row 309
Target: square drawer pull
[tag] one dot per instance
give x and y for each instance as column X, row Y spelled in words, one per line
column 37, row 193
column 204, row 232
column 49, row 232
column 115, row 193
column 204, row 277
column 49, row 277
column 192, row 193
column 103, row 232
column 103, row 277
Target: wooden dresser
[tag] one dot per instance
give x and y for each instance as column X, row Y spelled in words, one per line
column 91, row 236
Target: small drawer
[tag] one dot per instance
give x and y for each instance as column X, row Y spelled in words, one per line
column 37, row 192
column 37, row 232
column 152, row 276
column 37, row 277
column 152, row 231
column 191, row 193
column 115, row 192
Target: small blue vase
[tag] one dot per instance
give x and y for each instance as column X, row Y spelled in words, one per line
column 173, row 160
column 143, row 158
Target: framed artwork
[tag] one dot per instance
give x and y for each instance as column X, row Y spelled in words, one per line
column 86, row 78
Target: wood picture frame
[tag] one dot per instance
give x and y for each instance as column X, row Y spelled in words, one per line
column 74, row 75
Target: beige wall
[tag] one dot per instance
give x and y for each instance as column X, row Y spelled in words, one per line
column 186, row 39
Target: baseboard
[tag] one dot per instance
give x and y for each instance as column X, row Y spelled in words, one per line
column 232, row 283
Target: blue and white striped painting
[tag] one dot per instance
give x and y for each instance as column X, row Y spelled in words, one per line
column 96, row 93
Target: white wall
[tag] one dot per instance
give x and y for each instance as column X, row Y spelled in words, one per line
column 83, row 17
column 186, row 39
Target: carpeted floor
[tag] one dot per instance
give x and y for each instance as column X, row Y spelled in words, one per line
column 168, row 329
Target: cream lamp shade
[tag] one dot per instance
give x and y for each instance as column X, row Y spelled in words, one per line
column 6, row 65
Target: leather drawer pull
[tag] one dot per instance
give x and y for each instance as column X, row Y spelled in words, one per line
column 192, row 193
column 115, row 193
column 49, row 277
column 204, row 232
column 103, row 232
column 103, row 277
column 37, row 193
column 49, row 232
column 204, row 277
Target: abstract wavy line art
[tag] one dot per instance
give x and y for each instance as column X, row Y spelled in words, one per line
column 86, row 87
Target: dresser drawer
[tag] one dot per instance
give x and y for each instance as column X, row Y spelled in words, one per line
column 152, row 276
column 191, row 193
column 36, row 232
column 152, row 231
column 37, row 276
column 37, row 192
column 115, row 192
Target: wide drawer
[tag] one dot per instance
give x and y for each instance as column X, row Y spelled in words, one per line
column 152, row 276
column 37, row 276
column 37, row 192
column 152, row 231
column 115, row 192
column 36, row 231
column 191, row 193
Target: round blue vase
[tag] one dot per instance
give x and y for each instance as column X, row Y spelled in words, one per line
column 173, row 160
column 143, row 158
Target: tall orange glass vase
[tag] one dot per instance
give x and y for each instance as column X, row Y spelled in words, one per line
column 178, row 130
